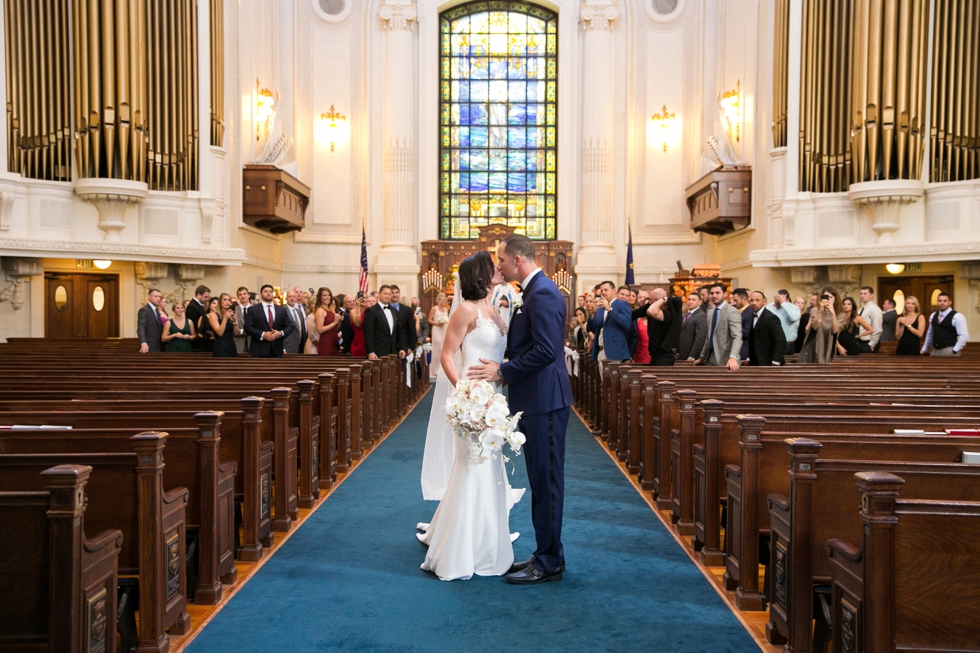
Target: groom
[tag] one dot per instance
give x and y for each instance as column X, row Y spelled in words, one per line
column 538, row 382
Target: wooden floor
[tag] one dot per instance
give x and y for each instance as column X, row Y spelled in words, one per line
column 201, row 615
column 754, row 622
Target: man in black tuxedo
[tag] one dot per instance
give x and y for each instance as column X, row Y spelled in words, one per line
column 767, row 340
column 381, row 337
column 266, row 325
column 148, row 326
column 345, row 304
column 196, row 308
column 405, row 317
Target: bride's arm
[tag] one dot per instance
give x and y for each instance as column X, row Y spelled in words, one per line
column 459, row 323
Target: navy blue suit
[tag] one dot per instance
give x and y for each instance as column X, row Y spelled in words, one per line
column 538, row 385
column 616, row 329
column 257, row 323
column 747, row 316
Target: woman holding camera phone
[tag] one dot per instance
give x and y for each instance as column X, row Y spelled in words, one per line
column 361, row 304
column 822, row 329
column 221, row 319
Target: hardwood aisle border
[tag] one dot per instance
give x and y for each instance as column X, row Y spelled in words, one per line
column 202, row 615
column 755, row 630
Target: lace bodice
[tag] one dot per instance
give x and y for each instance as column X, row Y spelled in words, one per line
column 484, row 341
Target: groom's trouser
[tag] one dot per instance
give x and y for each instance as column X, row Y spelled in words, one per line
column 544, row 452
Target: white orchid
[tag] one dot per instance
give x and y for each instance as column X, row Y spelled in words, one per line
column 480, row 416
column 496, row 417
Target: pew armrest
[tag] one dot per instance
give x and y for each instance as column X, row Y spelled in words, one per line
column 176, row 496
column 844, row 550
column 108, row 541
column 733, row 471
column 779, row 503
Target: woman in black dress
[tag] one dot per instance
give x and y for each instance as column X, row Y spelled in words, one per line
column 221, row 319
column 204, row 328
column 852, row 328
column 910, row 328
column 801, row 330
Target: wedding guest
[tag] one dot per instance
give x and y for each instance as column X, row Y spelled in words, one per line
column 312, row 337
column 590, row 305
column 345, row 304
column 789, row 317
column 767, row 337
column 242, row 305
column 580, row 301
column 579, row 330
column 724, row 341
column 909, row 328
column 307, row 298
column 204, row 328
column 694, row 329
column 196, row 309
column 664, row 322
column 705, row 300
column 361, row 304
column 642, row 297
column 872, row 315
column 267, row 325
column 222, row 322
column 852, row 328
column 438, row 319
column 148, row 327
column 180, row 332
column 295, row 342
column 327, row 323
column 633, row 299
column 889, row 321
column 801, row 330
column 820, row 344
column 947, row 333
column 611, row 327
column 421, row 321
column 162, row 310
column 405, row 322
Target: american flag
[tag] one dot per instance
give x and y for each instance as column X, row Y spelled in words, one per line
column 362, row 284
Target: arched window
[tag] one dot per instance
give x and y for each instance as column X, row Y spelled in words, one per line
column 498, row 119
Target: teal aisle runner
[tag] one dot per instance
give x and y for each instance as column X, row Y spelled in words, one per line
column 349, row 579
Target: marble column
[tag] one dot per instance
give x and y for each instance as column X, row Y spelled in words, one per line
column 597, row 258
column 398, row 256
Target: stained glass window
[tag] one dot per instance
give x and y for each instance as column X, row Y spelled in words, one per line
column 498, row 119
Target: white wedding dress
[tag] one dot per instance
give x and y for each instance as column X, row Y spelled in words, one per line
column 470, row 532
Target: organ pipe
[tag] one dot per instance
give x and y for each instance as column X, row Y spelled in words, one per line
column 955, row 129
column 825, row 155
column 780, row 73
column 38, row 108
column 888, row 89
column 217, row 73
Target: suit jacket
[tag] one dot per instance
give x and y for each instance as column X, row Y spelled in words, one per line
column 423, row 327
column 149, row 327
column 888, row 320
column 240, row 312
column 193, row 313
column 747, row 315
column 535, row 371
column 616, row 331
column 346, row 332
column 257, row 323
column 693, row 334
column 295, row 341
column 767, row 340
column 727, row 339
column 405, row 319
column 379, row 339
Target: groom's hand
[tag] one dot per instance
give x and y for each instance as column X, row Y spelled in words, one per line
column 489, row 371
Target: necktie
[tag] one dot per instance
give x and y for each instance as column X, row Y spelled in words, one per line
column 271, row 318
column 714, row 321
column 687, row 316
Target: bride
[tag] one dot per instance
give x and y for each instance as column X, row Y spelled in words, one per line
column 470, row 532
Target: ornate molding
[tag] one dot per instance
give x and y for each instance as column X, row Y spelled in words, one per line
column 208, row 208
column 396, row 16
column 112, row 198
column 598, row 16
column 863, row 255
column 120, row 251
column 884, row 201
column 327, row 269
column 17, row 271
column 148, row 274
column 7, row 198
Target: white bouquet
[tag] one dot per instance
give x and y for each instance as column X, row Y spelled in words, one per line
column 481, row 417
column 442, row 320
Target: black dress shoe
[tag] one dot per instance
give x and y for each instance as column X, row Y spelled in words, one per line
column 531, row 575
column 524, row 564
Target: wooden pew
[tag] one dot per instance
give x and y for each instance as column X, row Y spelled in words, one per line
column 821, row 506
column 150, row 518
column 912, row 583
column 57, row 587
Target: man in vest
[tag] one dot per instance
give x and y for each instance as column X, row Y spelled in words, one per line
column 947, row 333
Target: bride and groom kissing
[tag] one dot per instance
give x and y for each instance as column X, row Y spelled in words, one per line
column 470, row 532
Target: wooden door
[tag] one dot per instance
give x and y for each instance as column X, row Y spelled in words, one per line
column 924, row 288
column 81, row 305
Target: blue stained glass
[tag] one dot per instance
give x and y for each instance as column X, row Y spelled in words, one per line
column 464, row 136
column 480, row 91
column 478, row 114
column 516, row 182
column 478, row 182
column 464, row 113
column 498, row 68
column 477, row 137
column 498, row 113
column 516, row 160
column 498, row 137
column 535, row 91
column 478, row 160
column 498, row 181
column 535, row 137
column 461, row 159
column 464, row 91
column 532, row 161
column 517, row 137
column 517, row 91
column 531, row 110
column 479, row 68
column 498, row 160
column 517, row 115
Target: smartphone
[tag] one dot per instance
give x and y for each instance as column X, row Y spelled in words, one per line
column 360, row 294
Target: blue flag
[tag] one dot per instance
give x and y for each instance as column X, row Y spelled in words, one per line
column 629, row 259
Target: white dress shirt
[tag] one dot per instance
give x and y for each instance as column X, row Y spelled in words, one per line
column 872, row 314
column 391, row 318
column 959, row 323
column 528, row 278
column 265, row 311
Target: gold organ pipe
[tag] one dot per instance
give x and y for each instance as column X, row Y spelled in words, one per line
column 780, row 69
column 218, row 73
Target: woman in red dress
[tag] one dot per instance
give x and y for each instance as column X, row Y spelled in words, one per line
column 326, row 323
column 357, row 347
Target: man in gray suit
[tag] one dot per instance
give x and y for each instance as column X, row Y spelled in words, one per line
column 294, row 342
column 148, row 325
column 242, row 305
column 724, row 341
column 694, row 329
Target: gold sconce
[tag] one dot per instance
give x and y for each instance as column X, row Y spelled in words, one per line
column 333, row 117
column 731, row 111
column 265, row 106
column 664, row 121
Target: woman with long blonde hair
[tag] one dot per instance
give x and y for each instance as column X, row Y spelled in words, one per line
column 438, row 319
column 909, row 328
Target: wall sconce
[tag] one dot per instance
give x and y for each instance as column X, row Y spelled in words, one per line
column 333, row 117
column 895, row 268
column 265, row 106
column 102, row 265
column 731, row 111
column 664, row 121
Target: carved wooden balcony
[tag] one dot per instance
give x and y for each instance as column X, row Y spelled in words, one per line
column 274, row 199
column 721, row 201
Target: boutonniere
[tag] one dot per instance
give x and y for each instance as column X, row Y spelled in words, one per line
column 518, row 300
